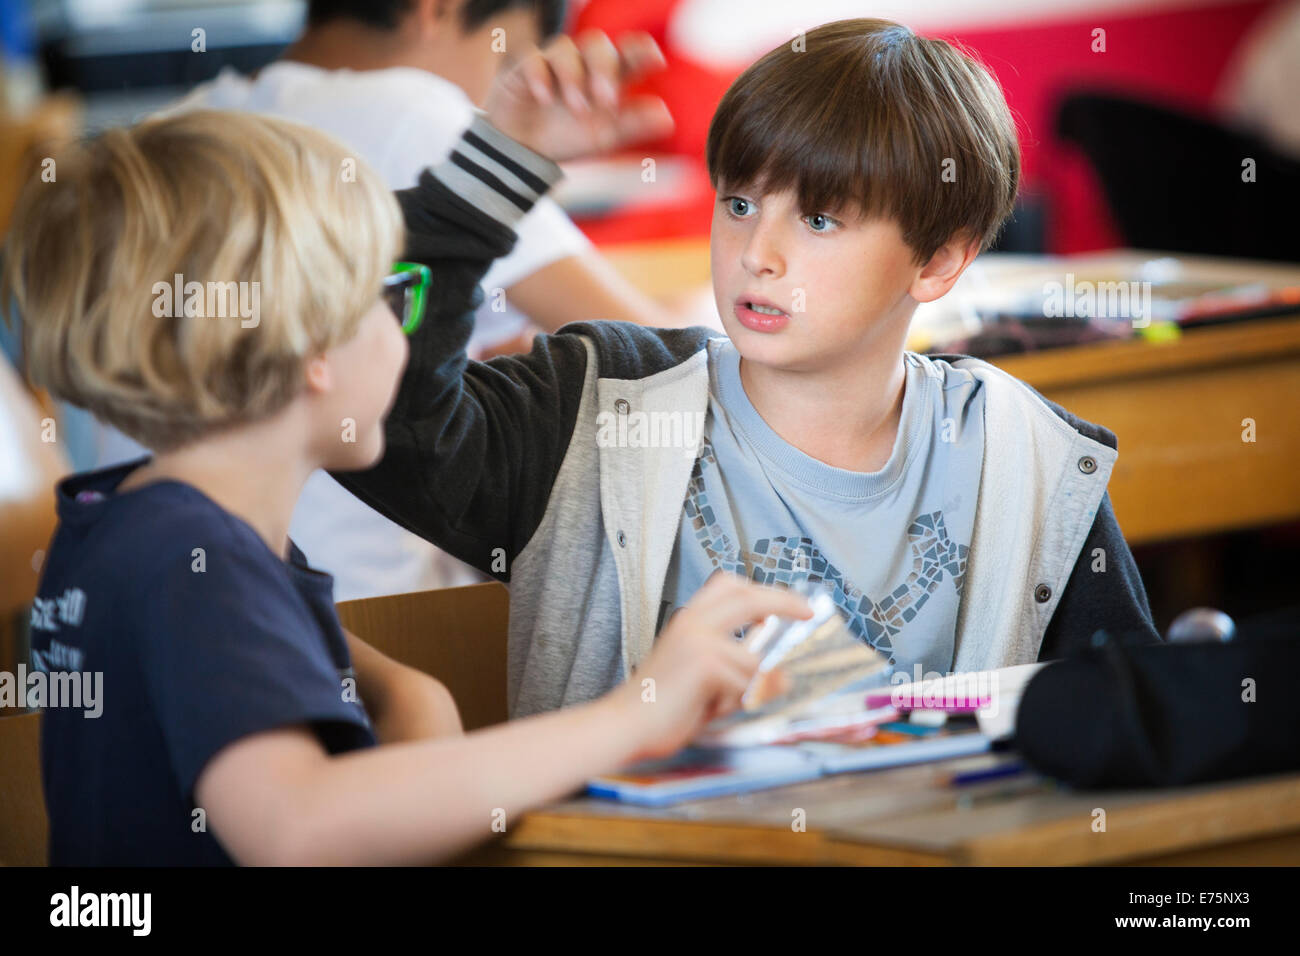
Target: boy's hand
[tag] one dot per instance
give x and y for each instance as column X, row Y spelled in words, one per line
column 565, row 100
column 698, row 667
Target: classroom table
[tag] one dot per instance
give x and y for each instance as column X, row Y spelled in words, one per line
column 1177, row 408
column 909, row 816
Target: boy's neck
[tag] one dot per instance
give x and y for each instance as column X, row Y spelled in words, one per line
column 352, row 46
column 248, row 475
column 846, row 417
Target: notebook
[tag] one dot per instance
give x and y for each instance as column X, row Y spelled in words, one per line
column 700, row 772
column 828, row 714
column 697, row 772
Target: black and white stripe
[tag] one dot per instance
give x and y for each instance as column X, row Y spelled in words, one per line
column 498, row 175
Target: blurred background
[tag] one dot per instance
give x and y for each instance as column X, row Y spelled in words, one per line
column 1161, row 145
column 1234, row 61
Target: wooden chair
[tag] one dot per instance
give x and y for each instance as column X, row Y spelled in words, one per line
column 24, row 827
column 26, row 506
column 28, row 466
column 456, row 634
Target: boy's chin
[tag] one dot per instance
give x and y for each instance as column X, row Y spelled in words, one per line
column 779, row 350
column 790, row 350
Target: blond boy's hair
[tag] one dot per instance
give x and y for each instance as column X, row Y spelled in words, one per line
column 867, row 115
column 240, row 204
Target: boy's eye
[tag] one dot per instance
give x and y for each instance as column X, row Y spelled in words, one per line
column 820, row 222
column 740, row 208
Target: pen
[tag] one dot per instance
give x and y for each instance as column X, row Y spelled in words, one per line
column 1009, row 769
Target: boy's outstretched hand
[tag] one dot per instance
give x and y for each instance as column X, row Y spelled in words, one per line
column 698, row 670
column 566, row 99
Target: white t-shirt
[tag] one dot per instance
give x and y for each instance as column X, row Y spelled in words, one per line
column 399, row 120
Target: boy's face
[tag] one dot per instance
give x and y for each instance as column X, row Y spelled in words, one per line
column 360, row 382
column 807, row 292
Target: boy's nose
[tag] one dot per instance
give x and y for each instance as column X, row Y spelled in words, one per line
column 762, row 255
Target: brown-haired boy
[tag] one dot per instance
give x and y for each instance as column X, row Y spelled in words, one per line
column 959, row 518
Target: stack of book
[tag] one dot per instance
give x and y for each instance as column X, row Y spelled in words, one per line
column 829, row 711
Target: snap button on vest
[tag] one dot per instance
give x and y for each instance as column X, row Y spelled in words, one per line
column 1087, row 464
column 1042, row 594
column 621, row 406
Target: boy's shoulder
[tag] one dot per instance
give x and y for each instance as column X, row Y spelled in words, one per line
column 625, row 350
column 173, row 571
column 160, row 567
column 302, row 91
column 145, row 534
column 986, row 370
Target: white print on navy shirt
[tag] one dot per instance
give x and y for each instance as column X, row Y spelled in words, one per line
column 69, row 608
column 57, row 657
column 103, row 909
column 57, row 679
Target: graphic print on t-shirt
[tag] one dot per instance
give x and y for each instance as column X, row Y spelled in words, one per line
column 784, row 560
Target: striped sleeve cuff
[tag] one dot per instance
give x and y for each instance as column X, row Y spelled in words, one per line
column 496, row 174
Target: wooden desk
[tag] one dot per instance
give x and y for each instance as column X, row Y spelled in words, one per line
column 1176, row 408
column 900, row 817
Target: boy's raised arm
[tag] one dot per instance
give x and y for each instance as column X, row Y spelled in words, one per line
column 473, row 448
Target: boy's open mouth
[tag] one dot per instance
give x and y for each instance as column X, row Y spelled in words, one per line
column 760, row 315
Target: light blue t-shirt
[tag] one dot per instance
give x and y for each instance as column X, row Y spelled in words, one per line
column 891, row 545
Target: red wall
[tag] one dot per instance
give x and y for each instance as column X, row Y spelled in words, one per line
column 1176, row 55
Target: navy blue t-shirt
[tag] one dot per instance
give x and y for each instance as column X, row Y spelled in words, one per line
column 202, row 636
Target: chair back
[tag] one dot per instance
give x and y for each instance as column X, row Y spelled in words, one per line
column 457, row 635
column 1174, row 180
column 24, row 828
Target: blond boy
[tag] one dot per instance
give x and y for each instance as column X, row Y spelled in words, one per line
column 238, row 722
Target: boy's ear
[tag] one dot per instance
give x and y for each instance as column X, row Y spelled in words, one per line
column 433, row 14
column 944, row 268
column 318, row 375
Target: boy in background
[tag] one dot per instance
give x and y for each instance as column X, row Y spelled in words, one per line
column 960, row 520
column 238, row 721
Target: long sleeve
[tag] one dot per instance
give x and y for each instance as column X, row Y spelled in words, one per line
column 473, row 448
